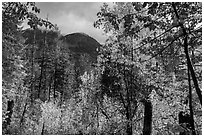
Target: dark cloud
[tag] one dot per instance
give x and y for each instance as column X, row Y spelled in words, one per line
column 73, row 17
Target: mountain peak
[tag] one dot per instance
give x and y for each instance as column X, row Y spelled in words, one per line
column 82, row 43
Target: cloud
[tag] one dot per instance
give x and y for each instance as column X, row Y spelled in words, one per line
column 70, row 23
column 73, row 17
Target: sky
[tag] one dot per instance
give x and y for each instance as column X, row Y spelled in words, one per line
column 73, row 17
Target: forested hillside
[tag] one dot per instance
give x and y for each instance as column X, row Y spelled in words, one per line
column 144, row 80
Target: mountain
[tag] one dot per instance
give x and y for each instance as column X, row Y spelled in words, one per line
column 81, row 43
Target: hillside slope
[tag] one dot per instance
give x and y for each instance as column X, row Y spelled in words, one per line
column 80, row 43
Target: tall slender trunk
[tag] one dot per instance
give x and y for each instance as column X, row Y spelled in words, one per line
column 198, row 90
column 128, row 115
column 32, row 66
column 55, row 76
column 129, row 124
column 22, row 117
column 97, row 111
column 147, row 126
column 43, row 67
column 76, row 84
column 62, row 90
column 50, row 86
column 190, row 104
column 41, row 75
column 45, row 83
column 43, row 129
column 24, row 111
column 192, row 71
column 128, row 106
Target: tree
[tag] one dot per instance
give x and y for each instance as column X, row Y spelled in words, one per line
column 186, row 22
column 147, row 118
column 159, row 51
column 121, row 60
column 14, row 70
column 176, row 26
column 12, row 44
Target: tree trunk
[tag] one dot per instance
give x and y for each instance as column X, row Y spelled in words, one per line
column 129, row 121
column 129, row 129
column 97, row 114
column 43, row 129
column 192, row 71
column 43, row 67
column 41, row 75
column 55, row 76
column 129, row 125
column 184, row 119
column 147, row 126
column 190, row 105
column 50, row 86
column 198, row 91
column 32, row 67
column 44, row 97
column 22, row 117
column 24, row 111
